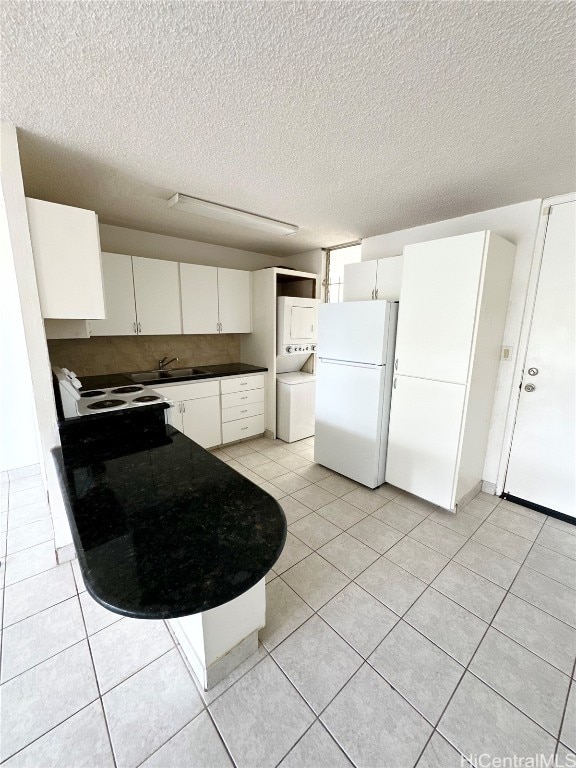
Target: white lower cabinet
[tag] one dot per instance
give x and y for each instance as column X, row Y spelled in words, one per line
column 424, row 438
column 242, row 383
column 209, row 419
column 242, row 407
column 196, row 410
column 201, row 421
column 243, row 428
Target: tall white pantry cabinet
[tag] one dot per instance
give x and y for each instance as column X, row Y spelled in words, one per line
column 450, row 327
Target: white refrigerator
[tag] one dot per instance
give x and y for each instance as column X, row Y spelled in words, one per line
column 353, row 387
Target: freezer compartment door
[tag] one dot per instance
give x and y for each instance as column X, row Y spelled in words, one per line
column 352, row 420
column 357, row 331
column 424, row 438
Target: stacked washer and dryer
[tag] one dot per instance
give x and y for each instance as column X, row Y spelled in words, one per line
column 297, row 328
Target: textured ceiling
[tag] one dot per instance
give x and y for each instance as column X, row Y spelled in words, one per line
column 349, row 119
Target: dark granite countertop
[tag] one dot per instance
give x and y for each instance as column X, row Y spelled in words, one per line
column 201, row 372
column 162, row 528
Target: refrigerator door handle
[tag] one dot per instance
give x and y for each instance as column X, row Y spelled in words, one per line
column 332, row 361
column 395, row 380
column 396, row 364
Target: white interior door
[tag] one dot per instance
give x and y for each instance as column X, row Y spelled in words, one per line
column 424, row 436
column 234, row 301
column 360, row 281
column 118, row 297
column 199, row 286
column 542, row 460
column 157, row 290
column 437, row 314
column 348, row 428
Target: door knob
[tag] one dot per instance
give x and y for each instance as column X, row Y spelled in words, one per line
column 529, row 388
column 533, row 371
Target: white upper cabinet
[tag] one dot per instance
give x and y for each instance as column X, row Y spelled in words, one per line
column 234, row 301
column 119, row 297
column 389, row 278
column 215, row 300
column 360, row 281
column 440, row 288
column 375, row 279
column 199, row 287
column 66, row 248
column 157, row 291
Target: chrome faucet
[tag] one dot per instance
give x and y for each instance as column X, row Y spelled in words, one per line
column 162, row 363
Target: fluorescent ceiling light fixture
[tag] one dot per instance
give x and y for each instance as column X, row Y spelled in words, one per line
column 230, row 215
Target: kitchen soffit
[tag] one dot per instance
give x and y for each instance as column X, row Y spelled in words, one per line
column 348, row 118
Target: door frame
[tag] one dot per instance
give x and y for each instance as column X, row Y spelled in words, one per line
column 526, row 327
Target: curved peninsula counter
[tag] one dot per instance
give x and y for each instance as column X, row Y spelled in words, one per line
column 165, row 530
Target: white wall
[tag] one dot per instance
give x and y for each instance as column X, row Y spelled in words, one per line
column 150, row 245
column 18, row 426
column 36, row 347
column 519, row 224
column 310, row 261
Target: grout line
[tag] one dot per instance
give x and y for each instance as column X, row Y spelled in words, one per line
column 220, row 736
column 36, row 544
column 45, row 608
column 467, row 666
column 571, row 686
column 95, row 675
column 541, row 573
column 52, row 656
column 53, row 728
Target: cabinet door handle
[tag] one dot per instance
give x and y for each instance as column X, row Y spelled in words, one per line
column 244, row 411
column 183, row 407
column 376, row 292
column 372, row 292
column 395, row 380
column 139, row 328
column 243, row 428
column 396, row 364
column 135, row 328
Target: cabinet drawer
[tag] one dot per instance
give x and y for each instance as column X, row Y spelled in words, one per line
column 191, row 391
column 242, row 412
column 242, row 398
column 239, row 383
column 238, row 430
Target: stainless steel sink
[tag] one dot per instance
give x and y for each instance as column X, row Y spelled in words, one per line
column 176, row 373
column 160, row 375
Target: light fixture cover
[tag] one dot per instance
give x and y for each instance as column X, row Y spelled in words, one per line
column 231, row 215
